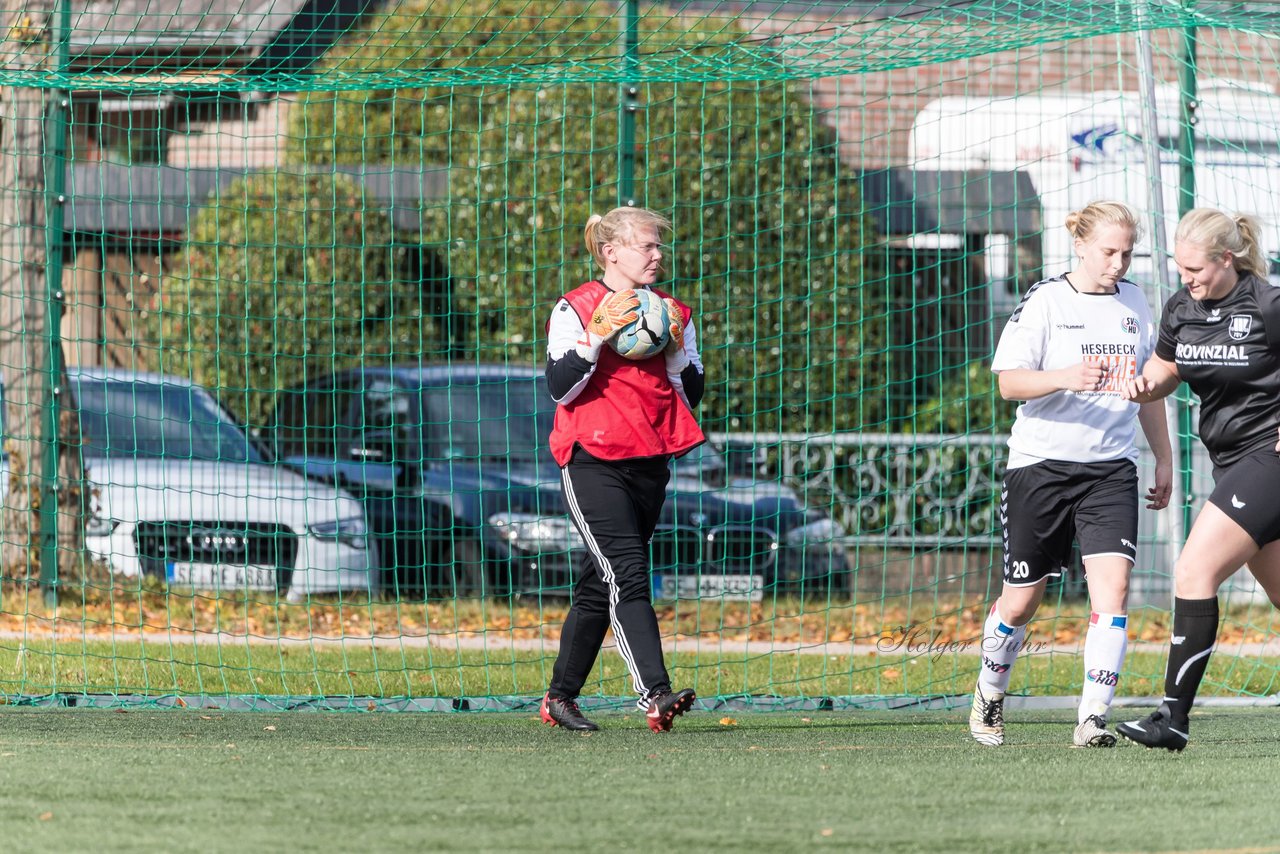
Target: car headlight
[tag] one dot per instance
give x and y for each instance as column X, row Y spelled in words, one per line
column 350, row 531
column 532, row 533
column 99, row 526
column 819, row 531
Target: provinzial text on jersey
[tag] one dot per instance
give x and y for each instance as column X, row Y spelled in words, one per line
column 1211, row 353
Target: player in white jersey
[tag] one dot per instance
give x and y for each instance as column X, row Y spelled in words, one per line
column 1069, row 351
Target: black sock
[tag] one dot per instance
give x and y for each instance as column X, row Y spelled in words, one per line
column 1195, row 629
column 580, row 641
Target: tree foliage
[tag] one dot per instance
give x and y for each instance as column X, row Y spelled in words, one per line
column 285, row 277
column 968, row 401
column 768, row 229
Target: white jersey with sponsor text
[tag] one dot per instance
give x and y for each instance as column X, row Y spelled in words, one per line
column 1056, row 326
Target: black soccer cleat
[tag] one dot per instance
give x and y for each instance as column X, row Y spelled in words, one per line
column 665, row 706
column 557, row 711
column 1155, row 730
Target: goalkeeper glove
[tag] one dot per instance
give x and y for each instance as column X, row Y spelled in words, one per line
column 615, row 311
column 677, row 358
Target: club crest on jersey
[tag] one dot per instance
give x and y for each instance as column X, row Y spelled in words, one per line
column 1129, row 325
column 1238, row 326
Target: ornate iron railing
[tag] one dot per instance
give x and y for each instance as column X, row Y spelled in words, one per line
column 893, row 489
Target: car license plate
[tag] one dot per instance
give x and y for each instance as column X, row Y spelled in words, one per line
column 221, row 576
column 747, row 588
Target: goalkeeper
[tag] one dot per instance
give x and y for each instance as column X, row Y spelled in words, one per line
column 617, row 426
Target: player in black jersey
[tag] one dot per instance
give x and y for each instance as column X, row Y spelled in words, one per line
column 1221, row 335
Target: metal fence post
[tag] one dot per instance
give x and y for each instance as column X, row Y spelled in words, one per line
column 55, row 163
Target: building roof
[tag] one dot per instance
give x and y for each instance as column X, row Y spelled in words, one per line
column 148, row 35
column 148, row 201
column 908, row 201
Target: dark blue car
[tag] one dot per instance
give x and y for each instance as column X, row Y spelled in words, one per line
column 463, row 497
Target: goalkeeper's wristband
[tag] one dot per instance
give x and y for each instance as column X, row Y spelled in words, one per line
column 588, row 346
column 677, row 361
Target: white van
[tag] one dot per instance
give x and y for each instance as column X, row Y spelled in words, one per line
column 1079, row 148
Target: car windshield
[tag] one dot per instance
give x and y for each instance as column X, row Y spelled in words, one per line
column 503, row 417
column 144, row 418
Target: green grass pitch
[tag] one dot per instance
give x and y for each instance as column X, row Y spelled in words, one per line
column 190, row 780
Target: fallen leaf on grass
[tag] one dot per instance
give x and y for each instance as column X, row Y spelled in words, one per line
column 891, row 673
column 826, row 831
column 728, row 722
column 181, row 702
column 46, row 816
column 268, row 729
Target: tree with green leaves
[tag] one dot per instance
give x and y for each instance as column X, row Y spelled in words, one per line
column 285, row 277
column 768, row 226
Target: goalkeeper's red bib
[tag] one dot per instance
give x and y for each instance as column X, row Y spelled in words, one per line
column 628, row 409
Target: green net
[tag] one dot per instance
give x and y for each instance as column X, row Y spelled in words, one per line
column 274, row 284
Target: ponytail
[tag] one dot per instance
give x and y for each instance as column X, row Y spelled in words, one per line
column 590, row 235
column 1251, row 259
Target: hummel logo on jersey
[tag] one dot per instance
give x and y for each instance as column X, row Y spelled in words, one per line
column 1125, row 542
column 1177, row 640
column 1237, row 503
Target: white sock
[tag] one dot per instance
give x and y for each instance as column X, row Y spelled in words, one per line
column 1104, row 648
column 1001, row 644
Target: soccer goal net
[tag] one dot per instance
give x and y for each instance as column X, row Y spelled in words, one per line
column 274, row 288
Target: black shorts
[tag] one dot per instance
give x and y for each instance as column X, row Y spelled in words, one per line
column 1246, row 492
column 1043, row 507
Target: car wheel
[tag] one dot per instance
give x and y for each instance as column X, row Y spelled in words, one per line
column 468, row 570
column 815, row 573
column 405, row 562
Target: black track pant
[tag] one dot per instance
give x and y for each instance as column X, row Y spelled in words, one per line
column 615, row 506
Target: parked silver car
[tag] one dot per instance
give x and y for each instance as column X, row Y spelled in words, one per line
column 180, row 492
